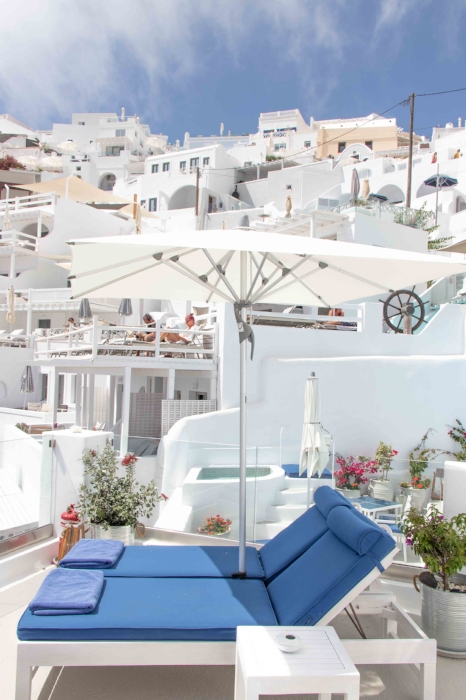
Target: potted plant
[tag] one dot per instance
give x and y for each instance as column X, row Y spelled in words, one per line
column 113, row 504
column 441, row 544
column 418, row 487
column 215, row 526
column 352, row 474
column 382, row 487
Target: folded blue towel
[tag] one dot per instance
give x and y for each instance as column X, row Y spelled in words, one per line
column 92, row 554
column 68, row 593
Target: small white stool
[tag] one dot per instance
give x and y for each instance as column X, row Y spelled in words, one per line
column 321, row 665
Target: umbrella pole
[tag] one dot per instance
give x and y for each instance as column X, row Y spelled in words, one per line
column 436, row 198
column 243, row 356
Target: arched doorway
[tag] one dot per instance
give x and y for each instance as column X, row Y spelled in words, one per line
column 107, row 182
column 184, row 198
column 394, row 194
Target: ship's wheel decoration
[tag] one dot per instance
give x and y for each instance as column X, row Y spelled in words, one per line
column 403, row 311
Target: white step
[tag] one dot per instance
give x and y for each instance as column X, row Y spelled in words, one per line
column 267, row 530
column 286, row 513
column 295, row 495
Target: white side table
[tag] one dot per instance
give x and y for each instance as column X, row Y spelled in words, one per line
column 320, row 666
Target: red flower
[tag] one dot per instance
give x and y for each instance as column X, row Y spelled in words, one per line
column 165, row 498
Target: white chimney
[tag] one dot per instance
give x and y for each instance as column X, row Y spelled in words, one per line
column 123, row 114
column 222, row 127
column 459, row 122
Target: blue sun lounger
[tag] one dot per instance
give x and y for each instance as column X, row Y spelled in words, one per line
column 222, row 562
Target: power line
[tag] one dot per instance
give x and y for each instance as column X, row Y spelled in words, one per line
column 443, row 92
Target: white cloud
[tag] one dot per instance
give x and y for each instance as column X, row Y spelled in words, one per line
column 65, row 56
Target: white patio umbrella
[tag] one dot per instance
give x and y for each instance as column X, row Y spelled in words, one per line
column 10, row 302
column 314, row 450
column 52, row 163
column 67, row 147
column 244, row 268
column 29, row 162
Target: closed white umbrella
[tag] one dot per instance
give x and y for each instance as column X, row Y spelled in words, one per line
column 314, row 449
column 29, row 162
column 6, row 219
column 27, row 383
column 244, row 268
column 10, row 301
column 366, row 190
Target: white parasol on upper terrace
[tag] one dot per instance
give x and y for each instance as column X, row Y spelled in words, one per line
column 244, row 268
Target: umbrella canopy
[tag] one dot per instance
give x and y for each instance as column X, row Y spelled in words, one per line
column 440, row 181
column 74, row 188
column 29, row 162
column 354, row 184
column 156, row 142
column 314, row 450
column 67, row 147
column 245, row 267
column 10, row 301
column 380, row 197
column 459, row 247
column 365, row 191
column 85, row 312
column 125, row 308
column 144, row 213
column 27, row 383
column 52, row 163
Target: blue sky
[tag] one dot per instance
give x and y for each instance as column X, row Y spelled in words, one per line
column 187, row 65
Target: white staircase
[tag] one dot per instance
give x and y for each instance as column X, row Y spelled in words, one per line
column 292, row 502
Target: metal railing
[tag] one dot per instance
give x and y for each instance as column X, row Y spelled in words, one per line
column 17, row 239
column 296, row 320
column 98, row 341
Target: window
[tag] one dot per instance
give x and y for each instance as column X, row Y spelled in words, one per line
column 81, row 123
column 141, row 144
column 78, row 167
column 182, row 166
column 44, row 323
column 143, row 203
column 114, row 150
column 205, row 161
column 341, row 146
column 307, row 144
column 153, row 204
column 194, row 163
column 155, row 168
column 43, row 387
column 368, row 144
column 166, row 167
column 120, row 132
column 177, row 395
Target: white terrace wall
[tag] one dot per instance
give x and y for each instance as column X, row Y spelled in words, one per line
column 374, row 387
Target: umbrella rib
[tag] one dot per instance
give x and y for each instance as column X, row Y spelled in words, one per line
column 182, row 269
column 306, row 286
column 221, row 276
column 109, row 267
column 351, row 274
column 227, row 262
column 118, row 279
column 259, row 272
column 258, row 295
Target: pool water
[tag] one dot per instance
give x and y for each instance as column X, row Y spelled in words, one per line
column 214, row 473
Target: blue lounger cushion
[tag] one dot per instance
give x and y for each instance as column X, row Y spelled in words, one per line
column 160, row 609
column 326, row 499
column 184, row 562
column 313, row 584
column 65, row 592
column 92, row 554
column 360, row 535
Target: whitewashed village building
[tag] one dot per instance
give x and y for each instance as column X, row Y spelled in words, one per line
column 225, row 182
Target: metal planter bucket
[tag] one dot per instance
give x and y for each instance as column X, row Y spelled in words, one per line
column 124, row 533
column 444, row 618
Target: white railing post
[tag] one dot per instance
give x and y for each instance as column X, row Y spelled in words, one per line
column 47, row 348
column 157, row 340
column 16, row 203
column 216, row 342
column 70, row 342
column 13, row 256
column 29, row 314
column 95, row 336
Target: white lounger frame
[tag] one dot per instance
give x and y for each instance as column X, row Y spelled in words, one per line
column 415, row 649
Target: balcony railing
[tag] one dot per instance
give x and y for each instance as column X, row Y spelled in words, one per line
column 17, row 241
column 34, row 201
column 415, row 218
column 108, row 342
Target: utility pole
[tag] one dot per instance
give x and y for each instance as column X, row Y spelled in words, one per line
column 197, row 198
column 410, row 155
